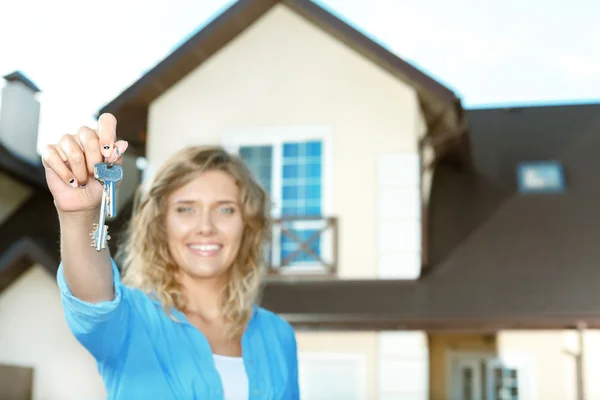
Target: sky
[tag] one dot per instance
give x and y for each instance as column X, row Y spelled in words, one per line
column 501, row 53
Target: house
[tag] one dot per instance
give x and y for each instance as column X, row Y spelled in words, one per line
column 432, row 279
column 344, row 135
column 455, row 253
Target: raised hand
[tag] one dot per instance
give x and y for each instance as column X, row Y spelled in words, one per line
column 69, row 165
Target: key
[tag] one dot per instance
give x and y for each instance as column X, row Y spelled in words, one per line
column 108, row 175
column 100, row 233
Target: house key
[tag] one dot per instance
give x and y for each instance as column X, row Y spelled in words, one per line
column 107, row 174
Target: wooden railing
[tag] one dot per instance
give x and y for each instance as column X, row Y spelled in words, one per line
column 314, row 245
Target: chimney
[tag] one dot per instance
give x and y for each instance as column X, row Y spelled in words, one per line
column 20, row 117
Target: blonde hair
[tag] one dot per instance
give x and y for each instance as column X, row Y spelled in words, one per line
column 144, row 253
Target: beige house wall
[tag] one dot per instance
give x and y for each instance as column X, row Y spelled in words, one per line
column 33, row 333
column 283, row 77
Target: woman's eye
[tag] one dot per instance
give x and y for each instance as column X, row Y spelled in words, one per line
column 183, row 210
column 227, row 210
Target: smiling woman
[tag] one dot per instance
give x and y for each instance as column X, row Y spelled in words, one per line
column 204, row 224
column 183, row 322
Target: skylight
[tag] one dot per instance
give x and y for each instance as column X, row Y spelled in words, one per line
column 540, row 177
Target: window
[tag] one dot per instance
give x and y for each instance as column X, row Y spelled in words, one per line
column 290, row 164
column 479, row 376
column 259, row 159
column 504, row 382
column 541, row 177
column 332, row 376
column 301, row 185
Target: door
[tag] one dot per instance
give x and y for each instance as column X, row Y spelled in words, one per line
column 467, row 374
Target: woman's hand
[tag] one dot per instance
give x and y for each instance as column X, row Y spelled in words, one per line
column 69, row 165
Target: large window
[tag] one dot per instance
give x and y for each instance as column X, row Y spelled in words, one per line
column 290, row 166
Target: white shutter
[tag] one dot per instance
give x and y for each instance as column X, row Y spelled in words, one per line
column 403, row 366
column 399, row 216
column 326, row 376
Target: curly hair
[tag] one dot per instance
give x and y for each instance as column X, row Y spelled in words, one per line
column 144, row 253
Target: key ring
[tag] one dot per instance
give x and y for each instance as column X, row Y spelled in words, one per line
column 116, row 157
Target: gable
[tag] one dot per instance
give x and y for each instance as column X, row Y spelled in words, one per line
column 302, row 77
column 442, row 110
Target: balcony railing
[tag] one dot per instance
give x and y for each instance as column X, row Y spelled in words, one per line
column 303, row 245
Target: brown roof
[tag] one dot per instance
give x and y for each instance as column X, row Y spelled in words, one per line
column 500, row 259
column 30, row 235
column 21, row 170
column 442, row 108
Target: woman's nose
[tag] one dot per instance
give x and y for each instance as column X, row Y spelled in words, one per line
column 205, row 224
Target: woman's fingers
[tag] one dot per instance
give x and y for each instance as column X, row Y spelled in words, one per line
column 89, row 141
column 107, row 133
column 52, row 159
column 75, row 157
column 118, row 156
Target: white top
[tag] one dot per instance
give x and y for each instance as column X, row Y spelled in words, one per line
column 233, row 376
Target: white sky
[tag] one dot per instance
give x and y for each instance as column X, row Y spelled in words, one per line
column 82, row 54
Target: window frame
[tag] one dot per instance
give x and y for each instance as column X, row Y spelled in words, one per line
column 276, row 137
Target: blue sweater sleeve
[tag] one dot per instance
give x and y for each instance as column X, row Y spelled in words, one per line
column 293, row 357
column 102, row 327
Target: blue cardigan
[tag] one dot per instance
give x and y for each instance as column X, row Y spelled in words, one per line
column 142, row 353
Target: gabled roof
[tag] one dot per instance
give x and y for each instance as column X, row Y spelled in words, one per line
column 30, row 235
column 20, row 256
column 501, row 259
column 442, row 108
column 21, row 170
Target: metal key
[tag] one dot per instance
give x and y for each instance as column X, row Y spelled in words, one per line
column 100, row 233
column 109, row 175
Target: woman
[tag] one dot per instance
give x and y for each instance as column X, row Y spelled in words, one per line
column 182, row 323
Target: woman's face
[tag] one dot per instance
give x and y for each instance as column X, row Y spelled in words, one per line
column 204, row 225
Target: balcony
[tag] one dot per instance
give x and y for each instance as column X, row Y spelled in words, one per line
column 303, row 246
